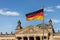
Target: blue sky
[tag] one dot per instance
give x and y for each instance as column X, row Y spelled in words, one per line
column 13, row 10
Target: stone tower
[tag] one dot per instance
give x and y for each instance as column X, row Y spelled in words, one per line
column 50, row 22
column 50, row 28
column 18, row 26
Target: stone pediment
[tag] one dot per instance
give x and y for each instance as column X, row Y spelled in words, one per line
column 31, row 30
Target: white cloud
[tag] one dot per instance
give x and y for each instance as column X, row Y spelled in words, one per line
column 55, row 21
column 58, row 6
column 48, row 10
column 49, row 7
column 8, row 13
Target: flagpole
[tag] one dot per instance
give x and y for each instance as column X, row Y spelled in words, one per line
column 43, row 25
column 43, row 29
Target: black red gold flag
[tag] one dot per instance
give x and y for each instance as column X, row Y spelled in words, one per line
column 36, row 15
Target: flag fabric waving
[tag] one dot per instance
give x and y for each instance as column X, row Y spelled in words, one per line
column 37, row 15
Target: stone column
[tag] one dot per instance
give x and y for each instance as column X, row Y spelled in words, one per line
column 16, row 39
column 22, row 38
column 28, row 38
column 47, row 38
column 40, row 37
column 34, row 38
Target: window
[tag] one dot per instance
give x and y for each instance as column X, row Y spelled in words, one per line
column 44, row 37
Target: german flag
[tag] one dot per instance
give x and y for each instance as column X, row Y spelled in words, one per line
column 37, row 15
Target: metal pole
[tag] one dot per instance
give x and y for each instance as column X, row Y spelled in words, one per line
column 43, row 25
column 43, row 33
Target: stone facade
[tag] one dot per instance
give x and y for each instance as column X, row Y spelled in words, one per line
column 32, row 33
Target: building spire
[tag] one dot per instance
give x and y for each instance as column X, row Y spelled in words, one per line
column 19, row 25
column 50, row 22
column 0, row 33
